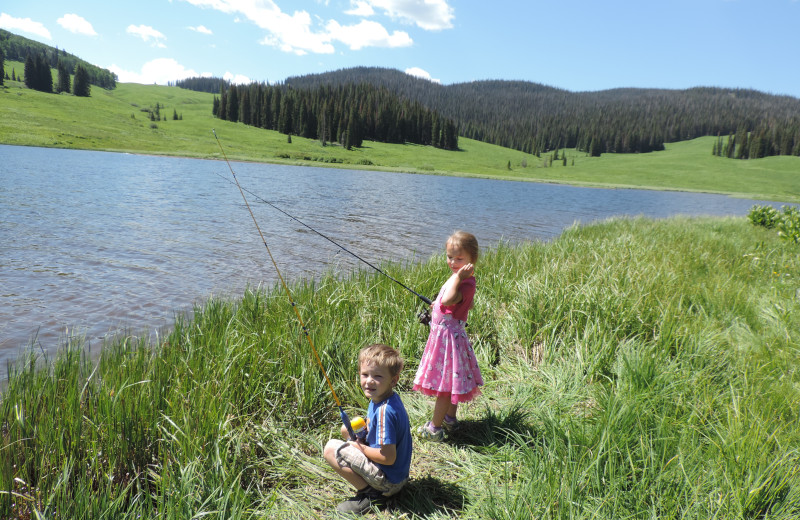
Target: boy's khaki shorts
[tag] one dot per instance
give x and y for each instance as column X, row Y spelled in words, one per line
column 349, row 457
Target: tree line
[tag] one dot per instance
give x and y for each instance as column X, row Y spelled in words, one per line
column 346, row 114
column 18, row 48
column 768, row 139
column 202, row 84
column 536, row 118
column 38, row 76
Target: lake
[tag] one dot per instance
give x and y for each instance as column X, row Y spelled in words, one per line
column 95, row 242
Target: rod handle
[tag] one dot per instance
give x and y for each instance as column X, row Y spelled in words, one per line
column 346, row 422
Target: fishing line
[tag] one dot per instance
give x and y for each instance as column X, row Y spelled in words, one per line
column 409, row 289
column 343, row 414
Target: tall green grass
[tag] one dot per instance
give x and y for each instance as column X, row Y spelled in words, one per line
column 634, row 369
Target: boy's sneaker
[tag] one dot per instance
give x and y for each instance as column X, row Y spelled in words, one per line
column 427, row 433
column 364, row 500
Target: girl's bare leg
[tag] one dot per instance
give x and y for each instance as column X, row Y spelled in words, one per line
column 443, row 406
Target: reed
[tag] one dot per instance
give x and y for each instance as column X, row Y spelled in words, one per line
column 634, row 369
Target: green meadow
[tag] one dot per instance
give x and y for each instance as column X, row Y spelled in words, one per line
column 118, row 121
column 634, row 369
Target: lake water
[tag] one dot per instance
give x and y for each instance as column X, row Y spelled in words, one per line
column 93, row 242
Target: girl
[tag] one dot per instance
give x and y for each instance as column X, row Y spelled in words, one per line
column 448, row 369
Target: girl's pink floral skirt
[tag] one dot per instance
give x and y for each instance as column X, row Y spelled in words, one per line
column 448, row 364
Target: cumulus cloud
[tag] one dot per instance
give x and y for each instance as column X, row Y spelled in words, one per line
column 201, row 29
column 76, row 24
column 25, row 25
column 237, row 79
column 420, row 73
column 360, row 8
column 160, row 71
column 297, row 33
column 147, row 33
column 431, row 15
column 367, row 34
column 294, row 34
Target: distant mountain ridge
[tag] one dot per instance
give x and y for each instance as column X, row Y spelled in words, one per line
column 536, row 118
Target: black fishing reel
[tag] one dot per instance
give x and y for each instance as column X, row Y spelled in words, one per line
column 424, row 316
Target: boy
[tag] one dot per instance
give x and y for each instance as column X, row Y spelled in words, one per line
column 377, row 466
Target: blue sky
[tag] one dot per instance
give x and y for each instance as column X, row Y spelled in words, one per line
column 577, row 45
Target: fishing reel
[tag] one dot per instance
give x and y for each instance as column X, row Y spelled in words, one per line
column 424, row 316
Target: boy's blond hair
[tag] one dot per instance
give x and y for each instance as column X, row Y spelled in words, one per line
column 465, row 242
column 383, row 356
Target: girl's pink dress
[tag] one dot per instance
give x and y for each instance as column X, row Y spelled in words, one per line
column 448, row 364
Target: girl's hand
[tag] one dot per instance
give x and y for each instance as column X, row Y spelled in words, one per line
column 466, row 271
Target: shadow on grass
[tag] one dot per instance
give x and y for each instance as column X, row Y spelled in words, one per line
column 496, row 428
column 428, row 496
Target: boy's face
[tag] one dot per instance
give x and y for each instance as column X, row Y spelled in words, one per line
column 377, row 382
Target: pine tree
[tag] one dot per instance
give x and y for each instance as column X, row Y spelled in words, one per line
column 2, row 67
column 63, row 78
column 30, row 76
column 44, row 77
column 285, row 116
column 223, row 106
column 233, row 104
column 742, row 148
column 80, row 83
column 244, row 107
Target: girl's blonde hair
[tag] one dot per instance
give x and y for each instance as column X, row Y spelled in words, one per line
column 465, row 242
column 382, row 356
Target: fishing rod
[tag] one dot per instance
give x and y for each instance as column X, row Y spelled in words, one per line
column 409, row 289
column 342, row 413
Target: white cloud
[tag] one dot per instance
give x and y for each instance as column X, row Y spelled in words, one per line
column 360, row 8
column 76, row 24
column 237, row 79
column 147, row 33
column 367, row 34
column 431, row 15
column 294, row 34
column 420, row 73
column 201, row 29
column 290, row 33
column 160, row 71
column 26, row 25
column 298, row 34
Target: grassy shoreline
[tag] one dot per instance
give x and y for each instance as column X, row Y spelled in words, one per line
column 635, row 369
column 117, row 121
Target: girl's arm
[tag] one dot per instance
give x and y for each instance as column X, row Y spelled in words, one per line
column 450, row 293
column 386, row 454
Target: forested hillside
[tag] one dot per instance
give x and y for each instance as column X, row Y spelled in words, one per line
column 18, row 48
column 202, row 84
column 536, row 118
column 347, row 114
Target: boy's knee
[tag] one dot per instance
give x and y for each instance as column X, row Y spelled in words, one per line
column 329, row 453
